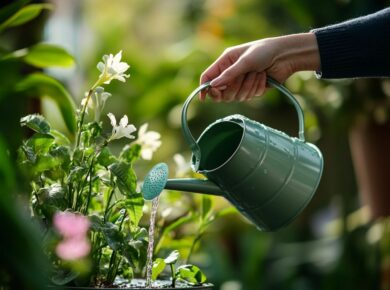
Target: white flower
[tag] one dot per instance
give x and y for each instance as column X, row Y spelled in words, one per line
column 121, row 130
column 99, row 99
column 149, row 141
column 112, row 68
column 182, row 166
column 84, row 101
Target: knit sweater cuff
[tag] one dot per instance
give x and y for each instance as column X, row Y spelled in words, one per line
column 337, row 52
column 356, row 48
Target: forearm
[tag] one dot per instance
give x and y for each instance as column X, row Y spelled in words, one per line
column 356, row 48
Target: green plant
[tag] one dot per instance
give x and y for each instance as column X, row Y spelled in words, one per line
column 74, row 180
column 23, row 264
column 86, row 197
column 190, row 273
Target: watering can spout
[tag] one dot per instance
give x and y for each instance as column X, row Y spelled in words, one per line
column 194, row 185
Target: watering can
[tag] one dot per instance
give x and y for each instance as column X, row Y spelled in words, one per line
column 267, row 175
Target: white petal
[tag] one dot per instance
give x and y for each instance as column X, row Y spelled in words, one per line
column 152, row 135
column 121, row 67
column 118, row 56
column 111, row 70
column 120, row 78
column 123, row 122
column 112, row 118
column 130, row 129
column 146, row 154
column 101, row 66
column 105, row 96
column 143, row 129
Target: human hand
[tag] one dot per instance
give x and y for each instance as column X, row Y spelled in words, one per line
column 240, row 72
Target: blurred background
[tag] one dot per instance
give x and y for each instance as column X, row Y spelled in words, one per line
column 340, row 241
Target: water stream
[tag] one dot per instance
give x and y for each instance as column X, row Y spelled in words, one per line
column 149, row 261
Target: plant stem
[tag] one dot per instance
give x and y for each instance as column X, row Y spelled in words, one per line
column 90, row 171
column 110, row 195
column 113, row 267
column 195, row 241
column 70, row 198
column 173, row 275
column 81, row 121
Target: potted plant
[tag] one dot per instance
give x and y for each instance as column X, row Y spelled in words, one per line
column 86, row 199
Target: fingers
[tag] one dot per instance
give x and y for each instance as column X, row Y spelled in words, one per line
column 247, row 88
column 261, row 82
column 243, row 88
column 214, row 70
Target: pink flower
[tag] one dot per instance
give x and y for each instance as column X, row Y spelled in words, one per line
column 73, row 228
column 71, row 225
column 73, row 249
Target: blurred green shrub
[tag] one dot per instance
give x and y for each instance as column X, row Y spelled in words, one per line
column 22, row 263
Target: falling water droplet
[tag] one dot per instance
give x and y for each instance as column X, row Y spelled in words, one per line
column 149, row 263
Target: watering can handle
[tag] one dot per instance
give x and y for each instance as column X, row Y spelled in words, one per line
column 191, row 140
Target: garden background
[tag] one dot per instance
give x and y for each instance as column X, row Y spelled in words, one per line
column 332, row 245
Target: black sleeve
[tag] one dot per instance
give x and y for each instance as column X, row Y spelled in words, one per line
column 356, row 48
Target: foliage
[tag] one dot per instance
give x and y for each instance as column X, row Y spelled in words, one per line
column 189, row 273
column 23, row 264
column 84, row 177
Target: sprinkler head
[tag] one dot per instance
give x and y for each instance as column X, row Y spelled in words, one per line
column 155, row 181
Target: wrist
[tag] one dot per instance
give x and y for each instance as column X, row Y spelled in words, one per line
column 299, row 52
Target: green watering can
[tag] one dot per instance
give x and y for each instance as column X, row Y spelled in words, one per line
column 267, row 175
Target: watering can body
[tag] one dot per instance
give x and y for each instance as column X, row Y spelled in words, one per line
column 267, row 175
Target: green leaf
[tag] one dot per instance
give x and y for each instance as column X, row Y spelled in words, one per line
column 141, row 234
column 45, row 55
column 157, row 268
column 172, row 258
column 77, row 173
column 206, row 207
column 170, row 228
column 27, row 153
column 190, row 273
column 61, row 139
column 41, row 85
column 97, row 224
column 226, row 211
column 130, row 153
column 9, row 10
column 45, row 162
column 40, row 143
column 24, row 15
column 179, row 222
column 113, row 236
column 131, row 254
column 135, row 253
column 36, row 122
column 134, row 205
column 63, row 154
column 106, row 158
column 125, row 177
column 52, row 199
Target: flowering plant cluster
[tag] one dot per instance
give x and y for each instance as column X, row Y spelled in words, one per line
column 86, row 196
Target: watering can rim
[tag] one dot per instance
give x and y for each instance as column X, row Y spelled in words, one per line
column 238, row 118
